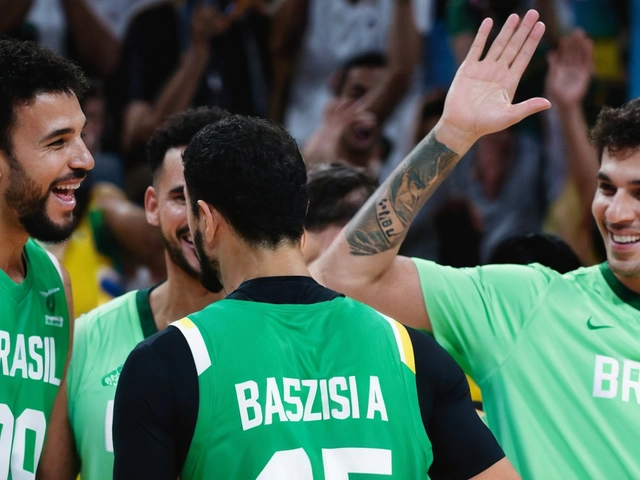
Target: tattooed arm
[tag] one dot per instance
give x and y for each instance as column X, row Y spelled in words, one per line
column 362, row 261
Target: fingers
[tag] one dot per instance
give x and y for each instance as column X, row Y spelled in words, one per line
column 522, row 110
column 501, row 41
column 475, row 52
column 518, row 39
column 526, row 52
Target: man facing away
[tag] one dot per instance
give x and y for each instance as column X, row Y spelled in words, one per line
column 106, row 335
column 43, row 160
column 284, row 378
column 557, row 356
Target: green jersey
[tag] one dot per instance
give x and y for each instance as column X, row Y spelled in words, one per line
column 293, row 391
column 557, row 358
column 103, row 339
column 34, row 342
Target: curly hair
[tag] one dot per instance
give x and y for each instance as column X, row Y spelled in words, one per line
column 617, row 129
column 27, row 70
column 252, row 172
column 178, row 130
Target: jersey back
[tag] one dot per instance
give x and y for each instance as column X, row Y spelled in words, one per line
column 102, row 341
column 34, row 342
column 303, row 391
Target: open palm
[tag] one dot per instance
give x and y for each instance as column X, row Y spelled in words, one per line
column 479, row 100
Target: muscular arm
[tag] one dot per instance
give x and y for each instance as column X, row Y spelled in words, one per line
column 362, row 262
column 59, row 459
column 156, row 408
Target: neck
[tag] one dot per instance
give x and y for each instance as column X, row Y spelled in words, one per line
column 13, row 242
column 249, row 262
column 179, row 296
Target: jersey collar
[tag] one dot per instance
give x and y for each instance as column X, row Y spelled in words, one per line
column 626, row 295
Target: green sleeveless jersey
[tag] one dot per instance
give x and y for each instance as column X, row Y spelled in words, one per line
column 102, row 341
column 557, row 358
column 303, row 391
column 34, row 342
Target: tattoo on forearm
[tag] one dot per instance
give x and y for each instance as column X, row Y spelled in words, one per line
column 383, row 222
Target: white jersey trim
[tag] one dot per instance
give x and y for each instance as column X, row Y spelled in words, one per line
column 196, row 343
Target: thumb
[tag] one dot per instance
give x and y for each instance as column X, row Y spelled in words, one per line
column 522, row 110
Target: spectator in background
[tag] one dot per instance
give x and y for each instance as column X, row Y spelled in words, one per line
column 89, row 31
column 349, row 134
column 313, row 38
column 336, row 193
column 156, row 79
column 567, row 84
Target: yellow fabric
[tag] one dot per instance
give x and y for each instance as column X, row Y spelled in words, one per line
column 87, row 268
column 476, row 394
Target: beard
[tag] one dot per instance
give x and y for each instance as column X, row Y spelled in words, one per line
column 209, row 269
column 24, row 197
column 177, row 255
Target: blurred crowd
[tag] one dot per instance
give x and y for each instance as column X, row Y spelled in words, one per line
column 359, row 82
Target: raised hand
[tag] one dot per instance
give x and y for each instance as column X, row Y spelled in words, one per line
column 479, row 99
column 570, row 69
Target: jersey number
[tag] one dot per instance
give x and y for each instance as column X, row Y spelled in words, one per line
column 338, row 464
column 27, row 429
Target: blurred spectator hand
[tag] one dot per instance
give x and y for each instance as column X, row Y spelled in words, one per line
column 570, row 69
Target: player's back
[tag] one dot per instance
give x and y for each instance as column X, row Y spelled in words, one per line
column 34, row 341
column 303, row 391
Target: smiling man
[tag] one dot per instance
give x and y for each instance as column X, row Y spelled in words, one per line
column 43, row 160
column 557, row 356
column 105, row 336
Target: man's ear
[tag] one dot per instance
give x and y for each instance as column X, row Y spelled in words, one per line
column 209, row 219
column 151, row 206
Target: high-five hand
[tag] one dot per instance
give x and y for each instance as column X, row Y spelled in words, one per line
column 479, row 99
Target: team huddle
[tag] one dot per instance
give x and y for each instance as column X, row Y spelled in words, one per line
column 263, row 356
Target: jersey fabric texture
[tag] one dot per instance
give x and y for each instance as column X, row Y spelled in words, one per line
column 103, row 339
column 325, row 398
column 557, row 358
column 34, row 342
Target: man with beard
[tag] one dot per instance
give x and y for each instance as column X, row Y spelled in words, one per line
column 43, row 160
column 284, row 377
column 105, row 336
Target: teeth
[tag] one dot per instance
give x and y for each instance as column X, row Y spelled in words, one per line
column 75, row 186
column 188, row 239
column 625, row 238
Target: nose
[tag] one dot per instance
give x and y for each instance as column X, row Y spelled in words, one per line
column 622, row 209
column 81, row 158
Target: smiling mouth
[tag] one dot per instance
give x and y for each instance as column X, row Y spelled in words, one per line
column 624, row 239
column 66, row 192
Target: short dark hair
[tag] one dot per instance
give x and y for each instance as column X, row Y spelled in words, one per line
column 336, row 192
column 617, row 129
column 252, row 172
column 27, row 70
column 367, row 60
column 548, row 250
column 178, row 130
